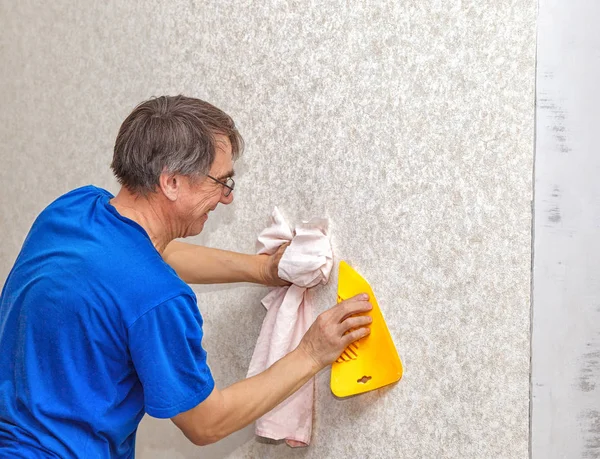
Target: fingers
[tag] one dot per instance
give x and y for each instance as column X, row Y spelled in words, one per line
column 270, row 269
column 355, row 305
column 336, row 328
column 282, row 248
column 361, row 296
column 354, row 335
column 355, row 322
column 354, row 327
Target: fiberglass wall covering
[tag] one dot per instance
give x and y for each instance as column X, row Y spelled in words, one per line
column 408, row 124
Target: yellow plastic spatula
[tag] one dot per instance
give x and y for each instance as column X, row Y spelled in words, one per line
column 371, row 362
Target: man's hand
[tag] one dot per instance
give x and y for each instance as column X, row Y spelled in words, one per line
column 270, row 268
column 335, row 329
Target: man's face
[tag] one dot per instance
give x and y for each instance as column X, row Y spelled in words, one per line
column 202, row 196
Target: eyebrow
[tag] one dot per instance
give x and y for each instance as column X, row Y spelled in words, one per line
column 231, row 173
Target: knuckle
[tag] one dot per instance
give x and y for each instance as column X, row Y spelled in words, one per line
column 349, row 306
column 350, row 322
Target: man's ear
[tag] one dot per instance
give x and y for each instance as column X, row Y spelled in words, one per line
column 170, row 185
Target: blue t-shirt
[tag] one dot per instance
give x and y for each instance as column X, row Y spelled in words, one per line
column 95, row 330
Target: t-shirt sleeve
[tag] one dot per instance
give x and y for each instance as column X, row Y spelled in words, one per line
column 166, row 348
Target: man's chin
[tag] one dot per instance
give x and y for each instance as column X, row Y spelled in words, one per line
column 198, row 227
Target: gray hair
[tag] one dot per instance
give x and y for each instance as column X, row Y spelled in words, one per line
column 173, row 134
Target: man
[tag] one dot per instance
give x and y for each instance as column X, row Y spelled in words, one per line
column 97, row 322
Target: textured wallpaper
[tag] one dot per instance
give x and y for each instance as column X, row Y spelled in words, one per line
column 408, row 124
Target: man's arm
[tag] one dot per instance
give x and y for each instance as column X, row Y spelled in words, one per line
column 196, row 264
column 233, row 408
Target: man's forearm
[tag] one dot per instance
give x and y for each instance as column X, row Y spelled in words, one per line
column 249, row 399
column 233, row 408
column 196, row 264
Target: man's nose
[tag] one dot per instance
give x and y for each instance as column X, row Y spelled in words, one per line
column 227, row 199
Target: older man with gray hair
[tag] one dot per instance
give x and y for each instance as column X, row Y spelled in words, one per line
column 97, row 322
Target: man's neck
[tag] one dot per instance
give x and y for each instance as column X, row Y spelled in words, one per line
column 148, row 212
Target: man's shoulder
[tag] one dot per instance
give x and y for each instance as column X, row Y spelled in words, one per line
column 82, row 193
column 72, row 200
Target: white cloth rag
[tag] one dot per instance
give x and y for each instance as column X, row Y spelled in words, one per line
column 307, row 262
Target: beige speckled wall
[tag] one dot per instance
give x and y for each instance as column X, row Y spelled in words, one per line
column 408, row 124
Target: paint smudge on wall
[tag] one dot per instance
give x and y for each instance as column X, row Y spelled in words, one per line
column 554, row 215
column 559, row 131
column 592, row 435
column 590, row 372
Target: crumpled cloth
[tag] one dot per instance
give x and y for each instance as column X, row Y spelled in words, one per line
column 307, row 262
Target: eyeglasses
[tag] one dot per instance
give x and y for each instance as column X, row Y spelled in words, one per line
column 228, row 185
